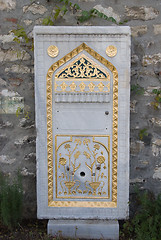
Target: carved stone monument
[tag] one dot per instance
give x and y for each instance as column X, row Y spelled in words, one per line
column 82, row 77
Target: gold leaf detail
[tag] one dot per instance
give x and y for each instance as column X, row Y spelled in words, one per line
column 76, row 155
column 73, row 86
column 91, row 86
column 101, row 159
column 62, row 161
column 82, row 86
column 100, row 86
column 111, row 51
column 53, row 51
column 63, row 86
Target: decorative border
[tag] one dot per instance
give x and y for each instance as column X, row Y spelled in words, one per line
column 95, row 141
column 50, row 72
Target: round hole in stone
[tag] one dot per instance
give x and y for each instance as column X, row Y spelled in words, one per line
column 82, row 174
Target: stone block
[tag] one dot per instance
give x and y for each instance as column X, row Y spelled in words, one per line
column 7, row 5
column 157, row 29
column 18, row 69
column 109, row 12
column 13, row 55
column 141, row 13
column 84, row 229
column 138, row 30
column 35, row 9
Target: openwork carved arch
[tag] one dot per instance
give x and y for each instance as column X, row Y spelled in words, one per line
column 50, row 72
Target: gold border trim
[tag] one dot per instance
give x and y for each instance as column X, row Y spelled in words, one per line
column 52, row 69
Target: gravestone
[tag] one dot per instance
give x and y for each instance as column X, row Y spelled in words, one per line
column 82, row 93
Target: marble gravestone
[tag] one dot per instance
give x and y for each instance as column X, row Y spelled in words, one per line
column 82, row 92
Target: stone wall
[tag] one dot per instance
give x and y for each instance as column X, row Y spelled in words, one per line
column 18, row 134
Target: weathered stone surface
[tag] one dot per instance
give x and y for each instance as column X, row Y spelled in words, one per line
column 3, row 83
column 25, row 140
column 6, row 124
column 133, row 106
column 26, row 123
column 136, row 180
column 134, row 59
column 156, row 121
column 18, row 69
column 7, row 38
column 151, row 59
column 30, row 157
column 28, row 22
column 157, row 29
column 10, row 101
column 157, row 173
column 156, row 147
column 6, row 159
column 136, row 147
column 15, row 81
column 7, row 5
column 149, row 91
column 13, row 55
column 25, row 172
column 3, row 141
column 7, row 93
column 35, row 9
column 138, row 30
column 141, row 13
column 109, row 12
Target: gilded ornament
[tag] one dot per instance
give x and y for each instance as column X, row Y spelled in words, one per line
column 104, row 204
column 53, row 51
column 100, row 86
column 73, row 86
column 91, row 86
column 111, row 51
column 63, row 86
column 101, row 159
column 82, row 86
column 62, row 161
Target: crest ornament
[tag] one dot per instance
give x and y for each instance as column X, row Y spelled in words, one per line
column 53, row 51
column 111, row 51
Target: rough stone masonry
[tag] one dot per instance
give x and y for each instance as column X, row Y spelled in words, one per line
column 18, row 133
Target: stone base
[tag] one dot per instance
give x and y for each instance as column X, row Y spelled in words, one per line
column 86, row 229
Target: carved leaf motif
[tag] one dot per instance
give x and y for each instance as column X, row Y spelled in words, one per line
column 87, row 155
column 88, row 166
column 76, row 155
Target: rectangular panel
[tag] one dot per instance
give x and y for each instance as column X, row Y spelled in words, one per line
column 81, row 87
